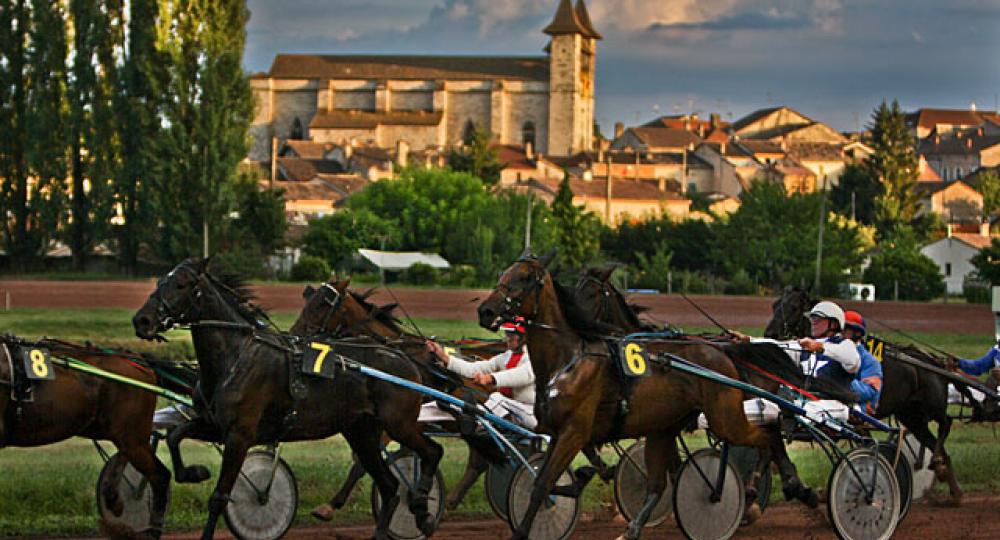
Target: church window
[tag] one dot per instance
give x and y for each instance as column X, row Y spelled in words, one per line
column 528, row 134
column 296, row 133
column 468, row 132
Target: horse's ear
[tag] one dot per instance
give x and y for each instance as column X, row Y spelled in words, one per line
column 347, row 282
column 308, row 292
column 204, row 263
column 604, row 274
column 526, row 255
column 547, row 258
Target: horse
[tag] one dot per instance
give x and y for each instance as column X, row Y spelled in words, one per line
column 75, row 404
column 581, row 395
column 251, row 392
column 914, row 396
column 334, row 310
column 596, row 295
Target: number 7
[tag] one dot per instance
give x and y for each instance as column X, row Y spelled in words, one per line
column 323, row 349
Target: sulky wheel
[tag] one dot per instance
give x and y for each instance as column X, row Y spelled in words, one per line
column 904, row 475
column 853, row 515
column 745, row 458
column 497, row 483
column 261, row 508
column 630, row 486
column 701, row 516
column 556, row 517
column 406, row 467
column 133, row 491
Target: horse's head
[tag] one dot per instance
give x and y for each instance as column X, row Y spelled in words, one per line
column 789, row 313
column 175, row 301
column 326, row 309
column 517, row 292
column 595, row 294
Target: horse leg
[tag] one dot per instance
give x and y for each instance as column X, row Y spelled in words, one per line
column 918, row 424
column 661, row 455
column 183, row 474
column 325, row 511
column 559, row 456
column 141, row 456
column 474, row 468
column 410, row 435
column 946, row 470
column 605, row 471
column 238, row 441
column 364, row 441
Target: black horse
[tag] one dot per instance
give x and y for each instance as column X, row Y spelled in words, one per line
column 916, row 397
column 251, row 391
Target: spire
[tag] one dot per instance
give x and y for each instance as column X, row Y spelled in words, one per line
column 566, row 21
column 584, row 18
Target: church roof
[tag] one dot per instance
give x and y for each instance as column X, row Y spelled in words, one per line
column 370, row 119
column 401, row 67
column 566, row 21
column 584, row 17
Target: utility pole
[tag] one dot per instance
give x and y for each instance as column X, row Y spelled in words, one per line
column 527, row 226
column 819, row 243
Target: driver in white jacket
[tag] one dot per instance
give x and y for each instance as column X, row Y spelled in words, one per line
column 509, row 372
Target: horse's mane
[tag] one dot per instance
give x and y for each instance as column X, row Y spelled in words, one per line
column 770, row 358
column 383, row 314
column 240, row 297
column 582, row 321
column 631, row 310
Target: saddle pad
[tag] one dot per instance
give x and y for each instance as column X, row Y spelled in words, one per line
column 956, row 398
column 827, row 408
column 760, row 412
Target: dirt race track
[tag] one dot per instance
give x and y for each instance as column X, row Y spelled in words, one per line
column 732, row 311
column 974, row 520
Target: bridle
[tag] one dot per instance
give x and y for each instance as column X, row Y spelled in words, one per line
column 166, row 318
column 333, row 300
column 512, row 305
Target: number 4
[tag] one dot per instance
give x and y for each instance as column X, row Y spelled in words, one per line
column 323, row 349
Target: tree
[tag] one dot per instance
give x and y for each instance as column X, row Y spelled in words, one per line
column 894, row 162
column 773, row 235
column 578, row 231
column 478, row 157
column 901, row 264
column 856, row 193
column 987, row 183
column 987, row 263
column 335, row 238
column 208, row 112
column 136, row 104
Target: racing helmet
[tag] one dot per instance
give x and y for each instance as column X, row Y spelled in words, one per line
column 828, row 310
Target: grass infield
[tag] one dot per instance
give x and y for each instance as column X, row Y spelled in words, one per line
column 50, row 490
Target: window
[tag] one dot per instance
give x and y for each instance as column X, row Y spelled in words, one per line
column 296, row 133
column 947, row 269
column 468, row 132
column 528, row 134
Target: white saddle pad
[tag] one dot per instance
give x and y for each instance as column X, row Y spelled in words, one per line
column 955, row 398
column 759, row 411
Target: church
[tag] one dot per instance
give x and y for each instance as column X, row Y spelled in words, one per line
column 431, row 102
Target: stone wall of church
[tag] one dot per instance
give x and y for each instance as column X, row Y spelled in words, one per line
column 412, row 101
column 354, row 99
column 289, row 105
column 525, row 107
column 419, row 137
column 462, row 107
column 339, row 135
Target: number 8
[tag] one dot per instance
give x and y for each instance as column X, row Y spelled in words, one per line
column 38, row 364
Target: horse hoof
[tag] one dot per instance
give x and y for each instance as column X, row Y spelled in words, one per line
column 323, row 512
column 192, row 475
column 752, row 514
column 809, row 497
column 427, row 526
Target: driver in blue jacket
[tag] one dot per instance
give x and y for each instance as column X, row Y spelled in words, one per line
column 867, row 383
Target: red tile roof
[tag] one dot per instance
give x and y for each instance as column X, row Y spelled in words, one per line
column 928, row 118
column 977, row 241
column 665, row 137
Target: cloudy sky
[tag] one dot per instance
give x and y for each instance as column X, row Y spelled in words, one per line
column 833, row 60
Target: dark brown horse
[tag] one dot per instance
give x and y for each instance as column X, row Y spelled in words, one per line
column 336, row 311
column 251, row 392
column 580, row 392
column 596, row 295
column 74, row 404
column 916, row 397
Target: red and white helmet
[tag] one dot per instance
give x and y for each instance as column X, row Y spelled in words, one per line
column 853, row 319
column 517, row 326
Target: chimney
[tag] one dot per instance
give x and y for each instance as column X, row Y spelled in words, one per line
column 619, row 129
column 980, row 131
column 984, row 228
column 968, row 143
column 402, row 152
column 349, row 150
column 714, row 120
column 274, row 162
column 949, row 231
column 663, row 184
column 937, row 140
column 529, row 150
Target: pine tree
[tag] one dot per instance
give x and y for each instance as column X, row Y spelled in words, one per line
column 208, row 114
column 578, row 232
column 478, row 158
column 895, row 163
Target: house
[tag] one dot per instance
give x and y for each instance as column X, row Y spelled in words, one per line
column 785, row 124
column 953, row 255
column 656, row 140
column 926, row 122
column 955, row 202
column 959, row 152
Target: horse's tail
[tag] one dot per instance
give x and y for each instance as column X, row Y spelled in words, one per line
column 771, row 359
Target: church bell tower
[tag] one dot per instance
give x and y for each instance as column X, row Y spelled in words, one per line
column 571, row 79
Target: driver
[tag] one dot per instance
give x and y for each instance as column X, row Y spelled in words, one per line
column 868, row 382
column 510, row 372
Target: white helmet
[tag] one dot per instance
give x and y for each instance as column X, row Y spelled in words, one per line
column 828, row 310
